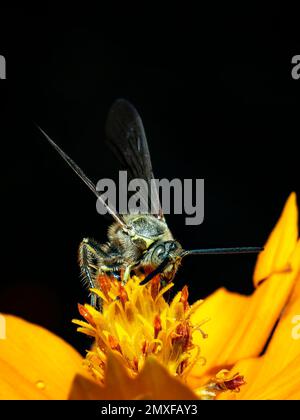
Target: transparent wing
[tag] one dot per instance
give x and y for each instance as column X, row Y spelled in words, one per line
column 125, row 135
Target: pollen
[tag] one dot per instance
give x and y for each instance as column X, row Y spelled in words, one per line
column 135, row 322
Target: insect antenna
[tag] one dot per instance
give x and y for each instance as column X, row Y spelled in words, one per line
column 204, row 251
column 223, row 251
column 84, row 178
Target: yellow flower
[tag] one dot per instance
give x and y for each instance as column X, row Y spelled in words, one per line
column 136, row 322
column 145, row 347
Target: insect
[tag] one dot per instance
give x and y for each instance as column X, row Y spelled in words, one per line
column 136, row 242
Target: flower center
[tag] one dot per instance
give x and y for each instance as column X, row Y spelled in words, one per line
column 136, row 321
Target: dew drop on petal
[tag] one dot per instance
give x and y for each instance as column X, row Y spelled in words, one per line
column 40, row 385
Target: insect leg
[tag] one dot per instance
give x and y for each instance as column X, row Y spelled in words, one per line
column 127, row 272
column 90, row 253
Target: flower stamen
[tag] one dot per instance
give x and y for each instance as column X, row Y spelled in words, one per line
column 136, row 322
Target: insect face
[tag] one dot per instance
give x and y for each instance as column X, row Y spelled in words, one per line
column 163, row 258
column 161, row 250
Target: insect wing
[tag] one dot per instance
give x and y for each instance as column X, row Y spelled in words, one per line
column 125, row 135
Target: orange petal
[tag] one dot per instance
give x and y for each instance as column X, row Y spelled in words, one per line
column 153, row 383
column 280, row 245
column 85, row 389
column 161, row 385
column 260, row 385
column 224, row 311
column 239, row 326
column 34, row 363
column 276, row 375
column 285, row 344
column 284, row 386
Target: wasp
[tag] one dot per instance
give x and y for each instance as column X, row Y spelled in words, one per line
column 136, row 242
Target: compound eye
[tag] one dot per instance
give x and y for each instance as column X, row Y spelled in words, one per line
column 159, row 252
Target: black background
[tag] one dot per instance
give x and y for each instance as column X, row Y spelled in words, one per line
column 214, row 88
